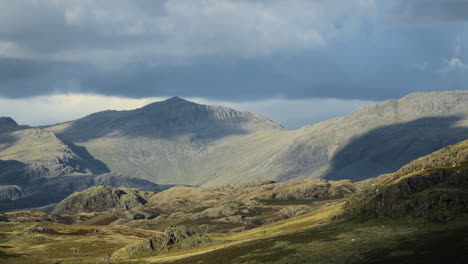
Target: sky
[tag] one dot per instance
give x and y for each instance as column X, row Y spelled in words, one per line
column 297, row 61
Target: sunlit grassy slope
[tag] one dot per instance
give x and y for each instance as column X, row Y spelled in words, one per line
column 310, row 238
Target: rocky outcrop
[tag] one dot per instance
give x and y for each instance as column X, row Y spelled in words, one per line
column 294, row 211
column 40, row 228
column 216, row 212
column 10, row 192
column 173, row 237
column 101, row 199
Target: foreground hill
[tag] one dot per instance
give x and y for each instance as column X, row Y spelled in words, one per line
column 177, row 141
column 432, row 186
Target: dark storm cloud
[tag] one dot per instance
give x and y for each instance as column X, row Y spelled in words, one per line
column 235, row 50
column 26, row 78
column 430, row 10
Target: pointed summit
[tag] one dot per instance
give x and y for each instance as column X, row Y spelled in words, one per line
column 175, row 99
column 172, row 102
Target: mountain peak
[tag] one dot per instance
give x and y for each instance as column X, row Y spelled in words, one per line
column 172, row 102
column 176, row 99
column 182, row 114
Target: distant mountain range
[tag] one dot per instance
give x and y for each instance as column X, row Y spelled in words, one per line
column 181, row 142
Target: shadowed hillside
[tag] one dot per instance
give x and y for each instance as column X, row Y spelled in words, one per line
column 169, row 119
column 388, row 148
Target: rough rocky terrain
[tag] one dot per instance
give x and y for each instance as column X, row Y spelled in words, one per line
column 101, row 199
column 433, row 186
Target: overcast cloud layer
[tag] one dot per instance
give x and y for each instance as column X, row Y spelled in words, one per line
column 233, row 50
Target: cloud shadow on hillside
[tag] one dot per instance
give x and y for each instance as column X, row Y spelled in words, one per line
column 388, row 148
column 13, row 172
column 88, row 160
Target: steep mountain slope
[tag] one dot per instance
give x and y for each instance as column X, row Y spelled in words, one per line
column 45, row 154
column 180, row 142
column 42, row 153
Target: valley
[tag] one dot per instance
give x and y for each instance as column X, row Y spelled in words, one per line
column 306, row 221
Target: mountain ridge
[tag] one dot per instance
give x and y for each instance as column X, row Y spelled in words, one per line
column 174, row 151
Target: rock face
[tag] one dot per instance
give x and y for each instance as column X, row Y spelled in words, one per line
column 102, row 198
column 10, row 192
column 433, row 186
